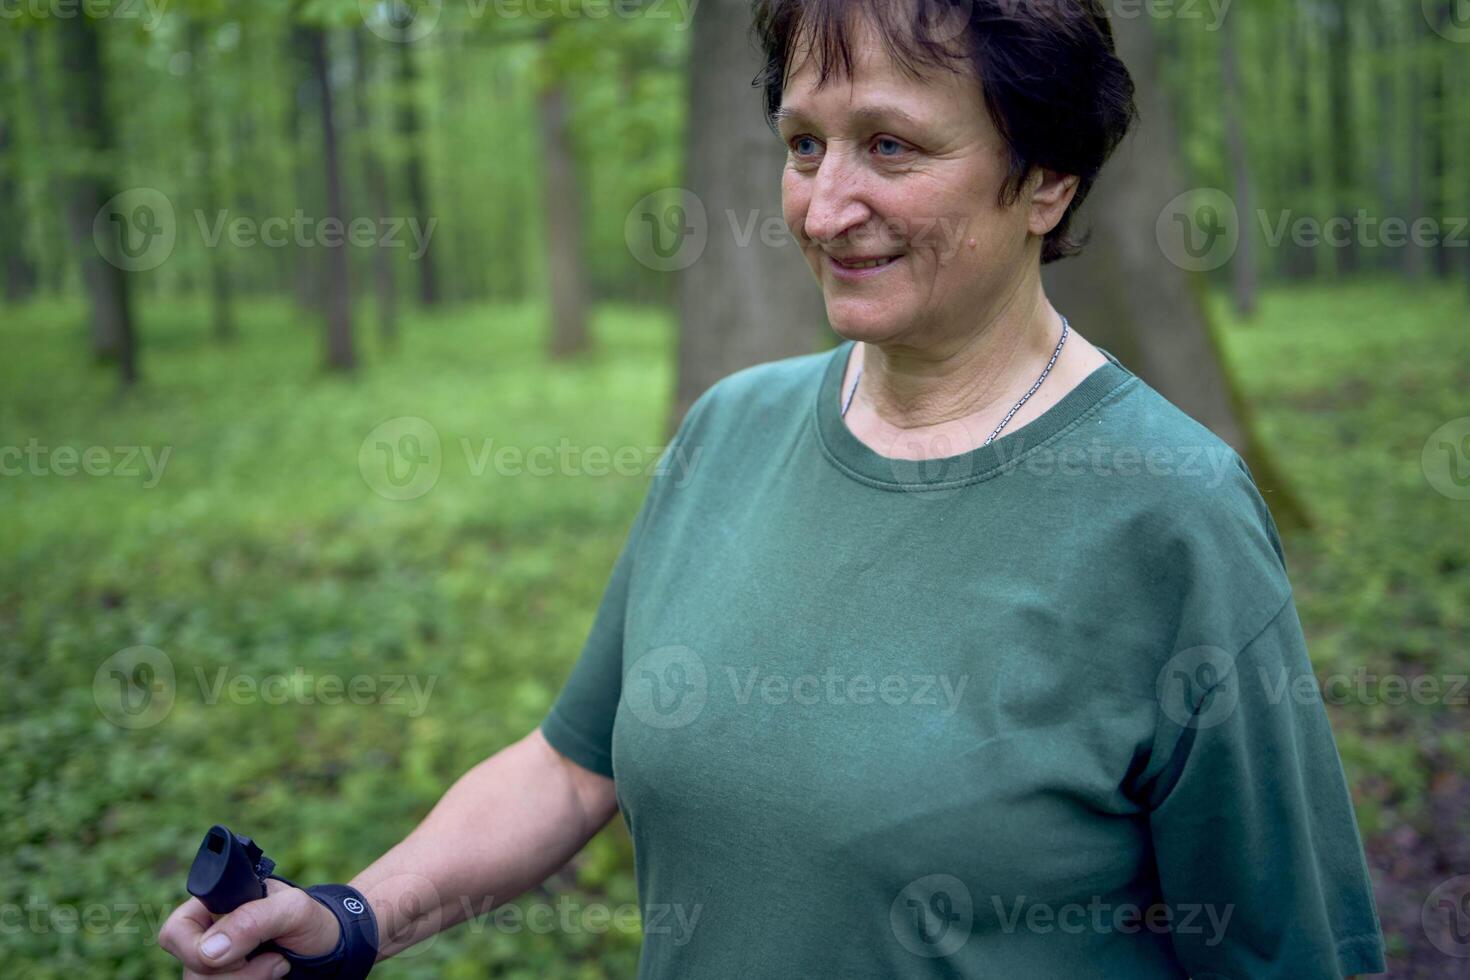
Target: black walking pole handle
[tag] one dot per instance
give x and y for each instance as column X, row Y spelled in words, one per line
column 230, row 870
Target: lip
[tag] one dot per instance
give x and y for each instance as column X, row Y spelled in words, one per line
column 841, row 272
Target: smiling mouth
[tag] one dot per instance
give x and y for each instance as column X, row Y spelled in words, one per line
column 866, row 263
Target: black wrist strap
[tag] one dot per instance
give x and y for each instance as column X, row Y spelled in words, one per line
column 357, row 948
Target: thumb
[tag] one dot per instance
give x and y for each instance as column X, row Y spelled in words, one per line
column 288, row 915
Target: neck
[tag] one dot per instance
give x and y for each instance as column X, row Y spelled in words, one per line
column 964, row 374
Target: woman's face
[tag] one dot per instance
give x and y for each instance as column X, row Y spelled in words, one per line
column 882, row 166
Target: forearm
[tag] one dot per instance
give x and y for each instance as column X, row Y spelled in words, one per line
column 502, row 828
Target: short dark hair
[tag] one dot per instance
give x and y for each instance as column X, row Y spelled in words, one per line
column 1057, row 91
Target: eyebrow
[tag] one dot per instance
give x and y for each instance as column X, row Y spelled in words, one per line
column 863, row 114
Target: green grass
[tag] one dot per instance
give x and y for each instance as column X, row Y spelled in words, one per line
column 1348, row 383
column 263, row 548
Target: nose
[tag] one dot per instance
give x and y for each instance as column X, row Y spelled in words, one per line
column 836, row 207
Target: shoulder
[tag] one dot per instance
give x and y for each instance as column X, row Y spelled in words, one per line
column 774, row 384
column 1189, row 511
column 773, row 391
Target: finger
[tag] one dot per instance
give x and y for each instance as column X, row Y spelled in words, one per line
column 264, row 967
column 182, row 930
column 228, row 941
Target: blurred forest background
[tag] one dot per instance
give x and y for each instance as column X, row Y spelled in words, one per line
column 238, row 455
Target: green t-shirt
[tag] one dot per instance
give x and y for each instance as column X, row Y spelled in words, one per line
column 1042, row 709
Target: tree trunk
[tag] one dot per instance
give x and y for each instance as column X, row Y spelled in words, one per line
column 384, row 283
column 1243, row 269
column 410, row 132
column 53, row 249
column 739, row 304
column 1415, row 266
column 304, row 263
column 108, row 286
column 220, row 290
column 1301, row 260
column 1440, row 132
column 1125, row 295
column 340, row 355
column 1340, row 67
column 17, row 268
column 1385, row 76
column 566, row 273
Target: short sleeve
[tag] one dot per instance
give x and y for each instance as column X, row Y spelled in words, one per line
column 1259, row 858
column 580, row 722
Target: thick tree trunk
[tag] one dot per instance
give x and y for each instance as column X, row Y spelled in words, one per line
column 220, row 287
column 108, row 286
column 1125, row 295
column 740, row 302
column 340, row 355
column 410, row 133
column 375, row 177
column 566, row 271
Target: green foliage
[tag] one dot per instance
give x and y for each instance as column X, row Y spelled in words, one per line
column 1347, row 384
column 262, row 550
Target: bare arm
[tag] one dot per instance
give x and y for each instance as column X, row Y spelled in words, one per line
column 502, row 828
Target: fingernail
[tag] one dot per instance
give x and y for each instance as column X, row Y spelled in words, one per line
column 282, row 968
column 216, row 946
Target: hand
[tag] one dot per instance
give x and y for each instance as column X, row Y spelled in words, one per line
column 292, row 918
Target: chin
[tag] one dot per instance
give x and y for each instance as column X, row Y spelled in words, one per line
column 865, row 322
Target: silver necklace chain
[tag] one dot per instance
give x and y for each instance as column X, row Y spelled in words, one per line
column 847, row 403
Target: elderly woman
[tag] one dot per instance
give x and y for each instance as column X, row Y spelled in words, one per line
column 960, row 652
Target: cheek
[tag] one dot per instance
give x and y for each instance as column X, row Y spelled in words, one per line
column 795, row 197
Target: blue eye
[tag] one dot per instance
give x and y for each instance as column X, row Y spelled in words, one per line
column 796, row 145
column 898, row 148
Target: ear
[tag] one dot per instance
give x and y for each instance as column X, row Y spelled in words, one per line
column 1051, row 193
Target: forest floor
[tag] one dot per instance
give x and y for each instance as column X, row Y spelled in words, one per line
column 186, row 580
